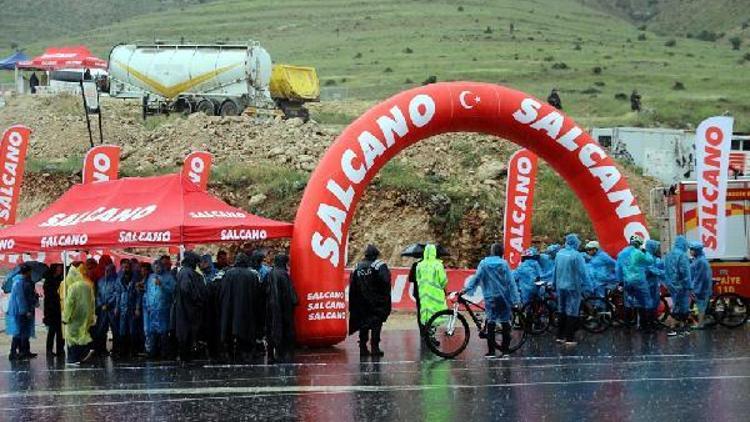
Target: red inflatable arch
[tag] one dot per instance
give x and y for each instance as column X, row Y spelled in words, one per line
column 335, row 187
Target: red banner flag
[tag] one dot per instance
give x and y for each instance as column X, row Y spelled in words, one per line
column 197, row 168
column 13, row 149
column 519, row 205
column 101, row 164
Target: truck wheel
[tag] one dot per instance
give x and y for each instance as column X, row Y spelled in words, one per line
column 229, row 108
column 183, row 106
column 206, row 107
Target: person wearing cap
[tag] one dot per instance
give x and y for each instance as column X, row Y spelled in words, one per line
column 702, row 280
column 527, row 274
column 569, row 278
column 601, row 268
column 369, row 301
column 633, row 270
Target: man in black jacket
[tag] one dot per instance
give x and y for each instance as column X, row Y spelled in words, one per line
column 238, row 297
column 189, row 301
column 53, row 311
column 369, row 300
column 280, row 302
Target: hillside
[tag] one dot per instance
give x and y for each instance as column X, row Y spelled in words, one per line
column 27, row 21
column 372, row 49
column 682, row 17
column 449, row 188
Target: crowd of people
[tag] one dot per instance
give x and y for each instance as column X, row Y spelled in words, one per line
column 574, row 273
column 203, row 308
column 245, row 310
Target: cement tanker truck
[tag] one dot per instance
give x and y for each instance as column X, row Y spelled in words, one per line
column 214, row 79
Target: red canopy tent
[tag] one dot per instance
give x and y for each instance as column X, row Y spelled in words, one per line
column 137, row 212
column 71, row 57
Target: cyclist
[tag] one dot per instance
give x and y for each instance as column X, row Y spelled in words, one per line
column 678, row 280
column 500, row 296
column 654, row 278
column 431, row 280
column 700, row 270
column 601, row 269
column 569, row 277
column 527, row 274
column 547, row 261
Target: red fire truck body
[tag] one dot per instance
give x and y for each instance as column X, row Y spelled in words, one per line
column 732, row 270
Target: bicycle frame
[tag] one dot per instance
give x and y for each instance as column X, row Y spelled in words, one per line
column 468, row 305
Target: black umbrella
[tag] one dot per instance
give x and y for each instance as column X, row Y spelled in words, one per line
column 416, row 250
column 38, row 270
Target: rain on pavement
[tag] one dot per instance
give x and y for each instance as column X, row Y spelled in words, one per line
column 619, row 375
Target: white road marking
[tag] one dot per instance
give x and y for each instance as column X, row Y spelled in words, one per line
column 340, row 389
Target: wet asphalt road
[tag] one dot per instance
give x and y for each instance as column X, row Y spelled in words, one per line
column 620, row 375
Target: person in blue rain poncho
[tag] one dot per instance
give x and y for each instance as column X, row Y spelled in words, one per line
column 632, row 263
column 569, row 278
column 19, row 318
column 702, row 280
column 108, row 292
column 655, row 279
column 547, row 261
column 679, row 282
column 527, row 274
column 157, row 304
column 500, row 296
column 601, row 269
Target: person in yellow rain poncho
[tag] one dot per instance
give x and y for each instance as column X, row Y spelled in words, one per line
column 431, row 279
column 77, row 292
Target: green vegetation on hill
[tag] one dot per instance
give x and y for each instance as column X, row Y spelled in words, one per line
column 28, row 21
column 682, row 16
column 373, row 49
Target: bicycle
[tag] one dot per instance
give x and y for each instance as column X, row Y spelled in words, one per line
column 729, row 310
column 541, row 311
column 448, row 331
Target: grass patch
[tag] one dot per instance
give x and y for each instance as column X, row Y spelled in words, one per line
column 557, row 210
column 70, row 165
column 282, row 185
column 274, row 181
column 332, row 117
column 154, row 122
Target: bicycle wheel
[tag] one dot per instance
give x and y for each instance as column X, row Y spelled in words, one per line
column 730, row 310
column 518, row 331
column 596, row 315
column 538, row 316
column 448, row 333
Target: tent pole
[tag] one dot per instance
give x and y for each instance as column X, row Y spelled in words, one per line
column 65, row 264
column 88, row 120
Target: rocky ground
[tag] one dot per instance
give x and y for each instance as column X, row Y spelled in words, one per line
column 449, row 188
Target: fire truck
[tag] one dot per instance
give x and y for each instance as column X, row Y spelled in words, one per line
column 677, row 209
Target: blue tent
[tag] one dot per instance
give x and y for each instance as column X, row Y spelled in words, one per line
column 9, row 63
